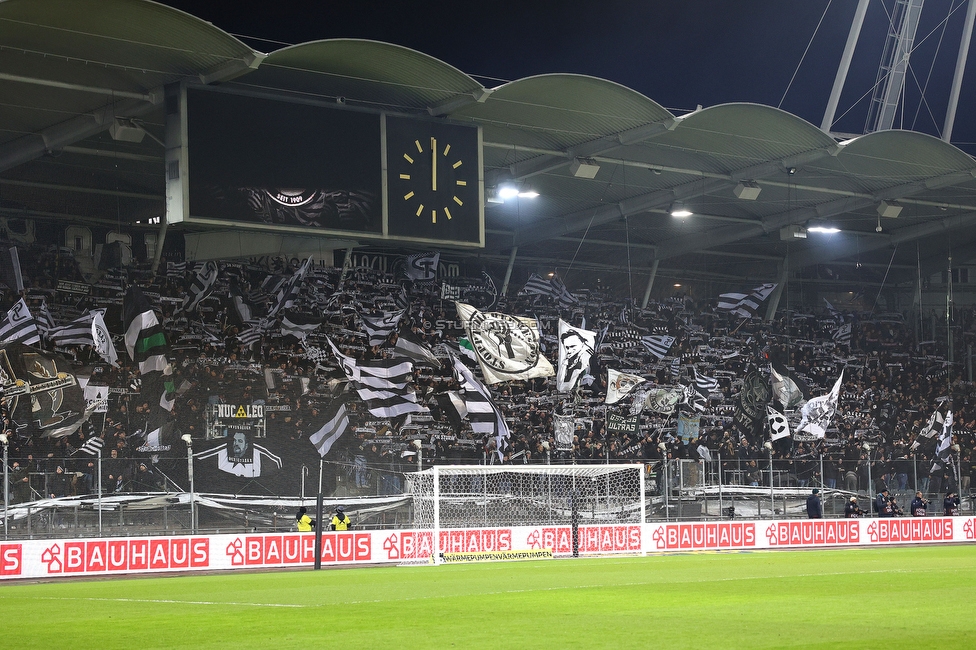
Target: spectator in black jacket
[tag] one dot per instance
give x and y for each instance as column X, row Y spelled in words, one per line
column 814, row 507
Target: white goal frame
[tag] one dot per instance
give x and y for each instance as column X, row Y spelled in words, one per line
column 499, row 496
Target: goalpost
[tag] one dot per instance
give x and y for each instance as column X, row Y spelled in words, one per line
column 489, row 496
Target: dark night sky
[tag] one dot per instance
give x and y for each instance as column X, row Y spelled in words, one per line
column 680, row 53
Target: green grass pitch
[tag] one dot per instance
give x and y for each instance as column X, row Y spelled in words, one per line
column 856, row 598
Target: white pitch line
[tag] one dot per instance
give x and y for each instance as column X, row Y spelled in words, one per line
column 177, row 602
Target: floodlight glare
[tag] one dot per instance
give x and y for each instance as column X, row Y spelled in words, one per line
column 528, row 194
column 678, row 209
column 824, row 230
column 507, row 192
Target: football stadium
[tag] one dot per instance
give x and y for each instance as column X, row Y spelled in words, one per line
column 313, row 333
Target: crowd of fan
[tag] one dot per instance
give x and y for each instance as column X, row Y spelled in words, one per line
column 892, row 383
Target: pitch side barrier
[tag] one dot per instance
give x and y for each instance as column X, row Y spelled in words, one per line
column 147, row 555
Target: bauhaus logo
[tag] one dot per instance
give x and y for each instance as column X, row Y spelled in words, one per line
column 814, row 533
column 127, row 555
column 704, row 536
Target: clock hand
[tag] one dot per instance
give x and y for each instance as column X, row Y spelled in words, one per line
column 433, row 164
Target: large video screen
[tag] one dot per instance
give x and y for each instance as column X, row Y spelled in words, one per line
column 284, row 165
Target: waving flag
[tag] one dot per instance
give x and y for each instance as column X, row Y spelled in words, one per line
column 507, row 347
column 380, row 326
column 658, row 345
column 201, row 287
column 576, row 346
column 144, row 338
column 819, row 411
column 422, row 267
column 485, row 417
column 745, row 305
column 620, row 384
column 779, row 426
column 18, row 326
column 102, row 339
column 336, row 423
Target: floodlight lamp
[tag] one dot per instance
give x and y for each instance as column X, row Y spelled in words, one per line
column 187, row 438
column 492, row 195
column 826, row 230
column 678, row 209
column 507, row 192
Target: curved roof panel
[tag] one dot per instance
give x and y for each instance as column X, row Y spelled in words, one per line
column 371, row 73
column 142, row 39
column 745, row 134
column 558, row 111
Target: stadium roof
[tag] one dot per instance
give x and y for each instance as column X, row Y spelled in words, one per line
column 69, row 68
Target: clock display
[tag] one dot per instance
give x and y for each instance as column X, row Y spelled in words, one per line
column 433, row 172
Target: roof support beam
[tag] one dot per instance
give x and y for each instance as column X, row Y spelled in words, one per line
column 730, row 234
column 595, row 217
column 456, row 103
column 549, row 162
column 855, row 245
column 49, row 83
column 78, row 128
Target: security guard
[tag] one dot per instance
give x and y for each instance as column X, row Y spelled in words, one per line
column 341, row 521
column 305, row 523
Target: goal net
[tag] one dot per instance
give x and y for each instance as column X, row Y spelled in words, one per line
column 486, row 496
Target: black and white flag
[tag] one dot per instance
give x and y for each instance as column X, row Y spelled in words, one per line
column 705, row 385
column 658, row 345
column 507, row 347
column 92, row 446
column 102, row 339
column 779, row 426
column 932, row 427
column 943, row 449
column 422, row 267
column 485, row 417
column 745, row 305
column 819, row 411
column 382, row 384
column 299, row 325
column 77, row 332
column 201, row 287
column 842, row 334
column 380, row 326
column 336, row 423
column 576, row 346
column 552, row 288
column 286, row 296
column 410, row 346
column 18, row 326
